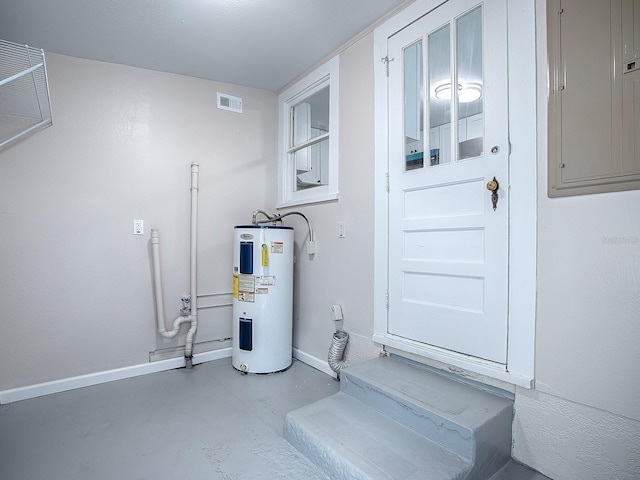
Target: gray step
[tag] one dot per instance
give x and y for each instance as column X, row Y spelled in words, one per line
column 350, row 440
column 516, row 471
column 470, row 422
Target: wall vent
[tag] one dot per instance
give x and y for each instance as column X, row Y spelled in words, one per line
column 229, row 102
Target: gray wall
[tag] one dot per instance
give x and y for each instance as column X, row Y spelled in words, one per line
column 75, row 285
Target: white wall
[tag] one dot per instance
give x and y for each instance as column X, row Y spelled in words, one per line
column 342, row 270
column 582, row 421
column 75, row 285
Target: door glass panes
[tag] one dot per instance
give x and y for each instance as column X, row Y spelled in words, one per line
column 413, row 107
column 439, row 67
column 309, row 144
column 470, row 84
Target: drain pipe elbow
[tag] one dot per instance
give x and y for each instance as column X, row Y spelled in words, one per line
column 336, row 351
column 175, row 327
column 188, row 348
column 157, row 284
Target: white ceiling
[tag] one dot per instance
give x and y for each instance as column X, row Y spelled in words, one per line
column 257, row 43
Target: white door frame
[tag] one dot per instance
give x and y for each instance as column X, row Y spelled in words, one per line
column 521, row 38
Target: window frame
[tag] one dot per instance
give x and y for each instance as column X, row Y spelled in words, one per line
column 325, row 75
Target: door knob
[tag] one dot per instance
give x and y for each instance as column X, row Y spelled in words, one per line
column 493, row 187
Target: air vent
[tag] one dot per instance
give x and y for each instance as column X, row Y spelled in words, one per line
column 229, row 102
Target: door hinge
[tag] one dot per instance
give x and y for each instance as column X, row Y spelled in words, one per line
column 386, row 299
column 386, row 182
column 386, row 61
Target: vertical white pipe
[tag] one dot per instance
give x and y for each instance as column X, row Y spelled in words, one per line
column 188, row 352
column 157, row 280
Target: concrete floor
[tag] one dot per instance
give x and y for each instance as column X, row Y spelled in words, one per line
column 210, row 422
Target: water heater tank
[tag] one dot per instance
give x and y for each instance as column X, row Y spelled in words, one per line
column 262, row 298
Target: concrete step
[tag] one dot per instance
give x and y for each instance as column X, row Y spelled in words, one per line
column 516, row 471
column 473, row 423
column 351, row 440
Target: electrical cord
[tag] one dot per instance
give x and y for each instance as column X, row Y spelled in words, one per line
column 274, row 218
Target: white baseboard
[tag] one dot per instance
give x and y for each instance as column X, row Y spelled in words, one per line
column 314, row 362
column 56, row 386
column 65, row 384
column 210, row 355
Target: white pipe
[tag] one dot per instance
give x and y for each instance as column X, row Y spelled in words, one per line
column 188, row 350
column 157, row 279
column 157, row 283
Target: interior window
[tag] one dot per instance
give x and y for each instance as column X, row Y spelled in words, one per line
column 309, row 143
column 308, row 138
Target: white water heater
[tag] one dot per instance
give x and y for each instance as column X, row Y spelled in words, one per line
column 262, row 298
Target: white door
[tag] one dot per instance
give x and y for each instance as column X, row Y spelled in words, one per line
column 448, row 246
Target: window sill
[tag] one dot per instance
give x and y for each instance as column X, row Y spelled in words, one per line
column 324, row 198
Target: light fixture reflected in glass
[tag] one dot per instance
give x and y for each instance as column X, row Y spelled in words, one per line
column 469, row 93
column 443, row 92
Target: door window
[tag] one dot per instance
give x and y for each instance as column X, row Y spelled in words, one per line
column 469, row 75
column 413, row 106
column 464, row 108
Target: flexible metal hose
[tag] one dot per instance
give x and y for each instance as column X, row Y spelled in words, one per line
column 336, row 351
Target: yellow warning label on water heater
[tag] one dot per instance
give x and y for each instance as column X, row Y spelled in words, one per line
column 235, row 286
column 265, row 255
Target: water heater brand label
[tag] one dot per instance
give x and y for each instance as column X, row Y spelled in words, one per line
column 266, row 280
column 277, row 247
